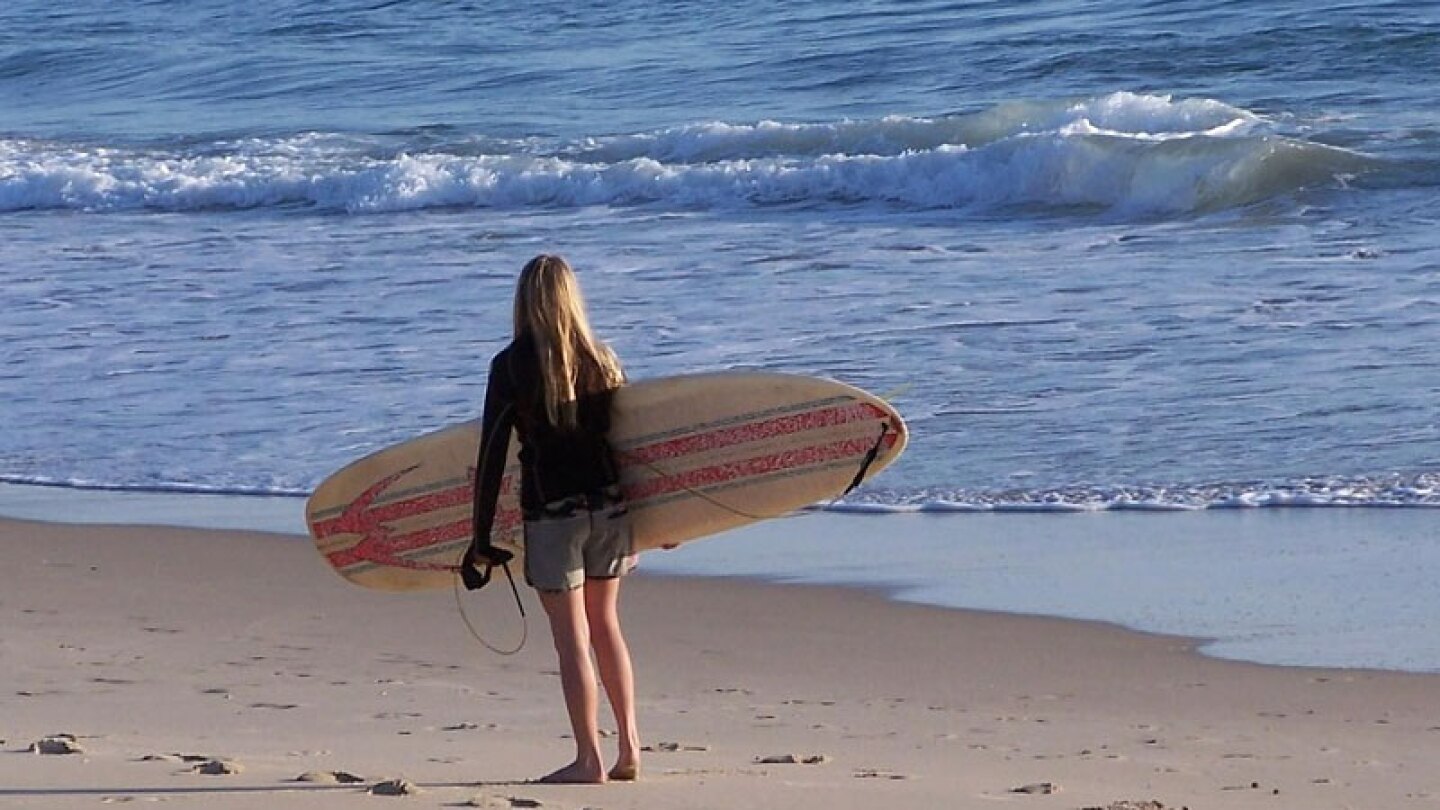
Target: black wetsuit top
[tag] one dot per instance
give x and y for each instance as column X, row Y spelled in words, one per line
column 554, row 463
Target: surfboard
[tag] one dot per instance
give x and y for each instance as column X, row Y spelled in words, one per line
column 698, row 454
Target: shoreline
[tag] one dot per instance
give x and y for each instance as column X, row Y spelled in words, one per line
column 1290, row 587
column 150, row 645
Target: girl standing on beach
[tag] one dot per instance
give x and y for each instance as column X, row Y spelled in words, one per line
column 553, row 384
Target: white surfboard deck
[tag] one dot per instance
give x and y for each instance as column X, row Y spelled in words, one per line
column 698, row 454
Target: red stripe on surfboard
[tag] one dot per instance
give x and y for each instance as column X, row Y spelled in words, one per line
column 728, row 472
column 390, row 548
column 385, row 549
column 448, row 498
column 754, row 431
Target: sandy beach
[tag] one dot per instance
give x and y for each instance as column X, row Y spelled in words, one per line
column 207, row 668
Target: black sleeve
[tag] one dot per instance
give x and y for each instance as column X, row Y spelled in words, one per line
column 495, row 430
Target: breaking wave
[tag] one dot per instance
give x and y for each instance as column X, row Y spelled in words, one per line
column 1126, row 153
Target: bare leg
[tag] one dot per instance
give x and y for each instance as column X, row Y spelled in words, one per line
column 568, row 625
column 602, row 598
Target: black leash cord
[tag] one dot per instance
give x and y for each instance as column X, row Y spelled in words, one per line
column 475, row 634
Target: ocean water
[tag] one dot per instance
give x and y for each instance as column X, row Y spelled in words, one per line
column 1160, row 256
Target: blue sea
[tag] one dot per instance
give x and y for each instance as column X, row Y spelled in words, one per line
column 1103, row 256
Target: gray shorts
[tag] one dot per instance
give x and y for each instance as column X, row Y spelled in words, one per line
column 561, row 552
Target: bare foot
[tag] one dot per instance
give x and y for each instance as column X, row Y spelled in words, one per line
column 576, row 773
column 627, row 764
column 623, row 772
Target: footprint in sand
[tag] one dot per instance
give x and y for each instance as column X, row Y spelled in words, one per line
column 503, row 801
column 57, row 744
column 673, row 747
column 330, row 778
column 196, row 761
column 875, row 773
column 219, row 767
column 792, row 759
column 395, row 787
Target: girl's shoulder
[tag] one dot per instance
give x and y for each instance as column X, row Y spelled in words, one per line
column 520, row 349
column 516, row 367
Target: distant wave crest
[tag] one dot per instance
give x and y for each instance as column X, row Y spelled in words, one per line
column 1122, row 152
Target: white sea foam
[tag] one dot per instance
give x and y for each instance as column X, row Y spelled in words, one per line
column 1417, row 491
column 1122, row 152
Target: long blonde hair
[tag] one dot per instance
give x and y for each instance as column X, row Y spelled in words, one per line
column 550, row 309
